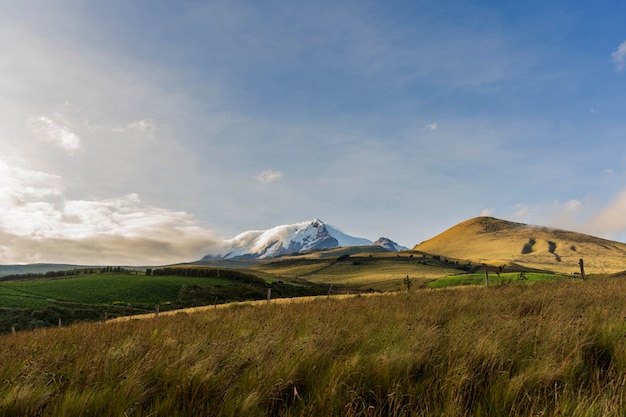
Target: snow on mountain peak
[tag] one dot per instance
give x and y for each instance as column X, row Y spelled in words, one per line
column 390, row 245
column 284, row 239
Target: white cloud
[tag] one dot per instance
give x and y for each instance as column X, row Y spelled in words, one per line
column 570, row 215
column 487, row 211
column 522, row 213
column 572, row 205
column 432, row 126
column 611, row 219
column 619, row 56
column 39, row 224
column 583, row 215
column 56, row 133
column 269, row 175
column 142, row 126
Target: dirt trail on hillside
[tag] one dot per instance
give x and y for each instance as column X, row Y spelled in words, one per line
column 199, row 309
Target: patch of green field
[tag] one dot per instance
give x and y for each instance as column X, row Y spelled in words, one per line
column 479, row 279
column 98, row 289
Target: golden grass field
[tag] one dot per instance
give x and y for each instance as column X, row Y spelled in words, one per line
column 546, row 349
column 380, row 271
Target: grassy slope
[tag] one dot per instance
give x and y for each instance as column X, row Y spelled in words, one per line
column 548, row 349
column 490, row 240
column 98, row 289
column 292, row 268
column 382, row 271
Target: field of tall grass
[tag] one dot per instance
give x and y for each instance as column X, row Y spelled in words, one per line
column 503, row 278
column 548, row 349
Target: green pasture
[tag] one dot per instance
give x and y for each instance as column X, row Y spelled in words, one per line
column 98, row 289
column 479, row 279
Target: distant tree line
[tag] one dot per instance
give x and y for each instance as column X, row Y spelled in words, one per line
column 65, row 273
column 228, row 274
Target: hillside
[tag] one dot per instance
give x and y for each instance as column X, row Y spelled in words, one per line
column 498, row 242
column 383, row 271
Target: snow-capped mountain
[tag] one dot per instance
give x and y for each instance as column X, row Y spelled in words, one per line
column 389, row 244
column 281, row 240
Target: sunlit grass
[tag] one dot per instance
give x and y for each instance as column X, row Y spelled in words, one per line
column 379, row 274
column 513, row 350
column 493, row 241
column 503, row 278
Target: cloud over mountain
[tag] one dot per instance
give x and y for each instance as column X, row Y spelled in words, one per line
column 285, row 239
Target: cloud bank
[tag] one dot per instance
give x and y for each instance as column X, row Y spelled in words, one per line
column 583, row 215
column 40, row 224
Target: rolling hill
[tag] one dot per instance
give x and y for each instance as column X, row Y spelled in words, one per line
column 498, row 242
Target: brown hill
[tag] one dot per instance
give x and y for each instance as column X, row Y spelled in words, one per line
column 498, row 242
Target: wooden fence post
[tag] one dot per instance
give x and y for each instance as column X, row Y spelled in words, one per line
column 156, row 311
column 582, row 268
column 269, row 295
column 486, row 276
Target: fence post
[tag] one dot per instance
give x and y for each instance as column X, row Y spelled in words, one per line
column 329, row 290
column 582, row 268
column 269, row 295
column 486, row 276
column 156, row 311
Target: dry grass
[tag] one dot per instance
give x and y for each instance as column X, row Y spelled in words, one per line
column 553, row 349
column 489, row 240
column 379, row 271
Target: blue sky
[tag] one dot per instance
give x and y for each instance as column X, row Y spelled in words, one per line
column 146, row 131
